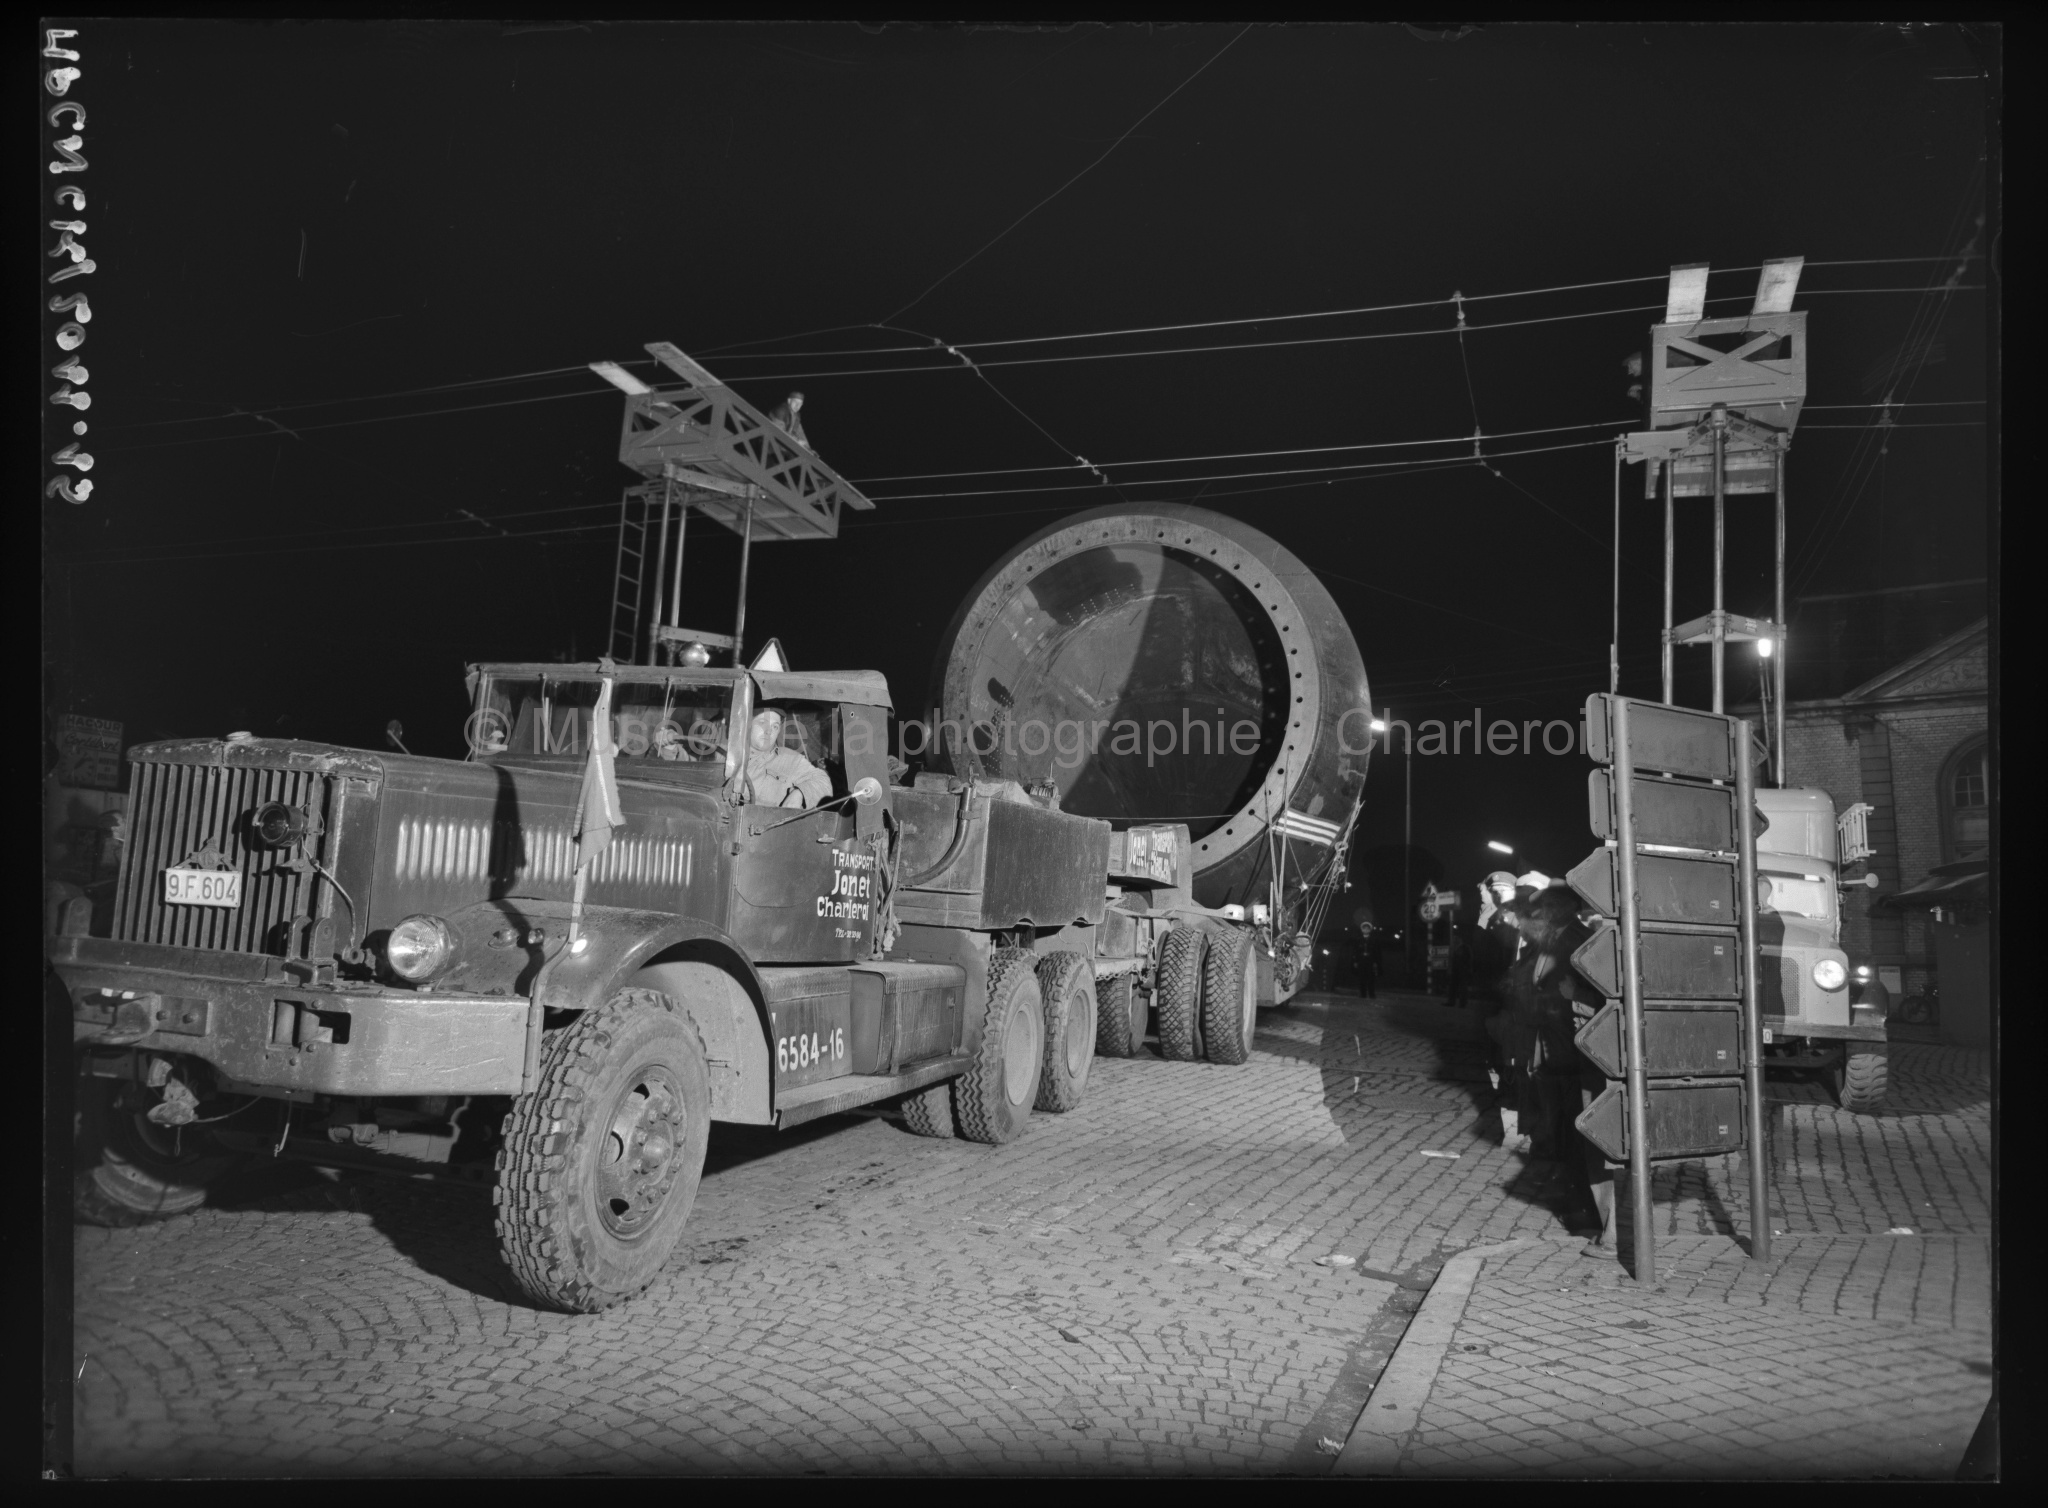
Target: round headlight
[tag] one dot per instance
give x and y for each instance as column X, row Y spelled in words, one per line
column 1829, row 974
column 277, row 825
column 419, row 947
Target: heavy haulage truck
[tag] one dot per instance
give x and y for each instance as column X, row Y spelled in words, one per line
column 361, row 957
column 385, row 960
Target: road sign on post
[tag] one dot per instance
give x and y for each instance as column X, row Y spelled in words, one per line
column 1679, row 1037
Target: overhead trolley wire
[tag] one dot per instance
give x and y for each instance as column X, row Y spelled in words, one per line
column 465, row 534
column 286, row 408
column 1263, row 345
column 257, row 411
column 736, row 352
column 1247, row 455
column 1871, row 447
column 1314, row 476
column 610, row 506
column 1041, row 204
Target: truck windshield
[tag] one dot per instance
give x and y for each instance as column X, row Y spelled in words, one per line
column 666, row 721
column 1796, row 895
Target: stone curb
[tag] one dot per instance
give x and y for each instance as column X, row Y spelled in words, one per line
column 1374, row 1446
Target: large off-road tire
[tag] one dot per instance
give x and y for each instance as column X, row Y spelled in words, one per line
column 1067, row 981
column 1230, row 997
column 1860, row 1080
column 132, row 1170
column 1177, row 993
column 1120, row 1013
column 600, row 1164
column 992, row 1101
column 929, row 1112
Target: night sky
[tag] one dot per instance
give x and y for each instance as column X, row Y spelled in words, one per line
column 285, row 217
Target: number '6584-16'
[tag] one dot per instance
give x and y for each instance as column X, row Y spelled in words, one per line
column 801, row 1050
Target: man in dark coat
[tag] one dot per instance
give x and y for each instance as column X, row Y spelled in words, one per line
column 1544, row 997
column 1494, row 946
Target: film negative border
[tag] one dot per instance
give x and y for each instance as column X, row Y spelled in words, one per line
column 67, row 156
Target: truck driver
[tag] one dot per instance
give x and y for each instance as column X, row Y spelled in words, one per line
column 777, row 776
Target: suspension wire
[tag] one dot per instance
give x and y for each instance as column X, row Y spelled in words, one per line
column 1264, row 345
column 1925, row 320
column 257, row 412
column 1356, row 471
column 410, row 392
column 1041, row 204
column 737, row 351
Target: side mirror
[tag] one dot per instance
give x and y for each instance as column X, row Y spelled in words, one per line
column 394, row 732
column 867, row 790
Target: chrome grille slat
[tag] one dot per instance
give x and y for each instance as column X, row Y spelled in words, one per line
column 181, row 826
column 176, row 809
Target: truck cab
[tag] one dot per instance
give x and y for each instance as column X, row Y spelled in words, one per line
column 1816, row 1014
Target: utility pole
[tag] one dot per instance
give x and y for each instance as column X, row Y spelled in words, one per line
column 1407, row 844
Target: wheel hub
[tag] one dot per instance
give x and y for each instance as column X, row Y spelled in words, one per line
column 1023, row 1040
column 1080, row 1043
column 637, row 1158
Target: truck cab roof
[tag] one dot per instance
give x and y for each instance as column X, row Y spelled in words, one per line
column 1802, row 823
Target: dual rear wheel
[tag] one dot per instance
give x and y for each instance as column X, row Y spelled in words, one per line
column 1037, row 1046
column 1207, row 992
column 992, row 1102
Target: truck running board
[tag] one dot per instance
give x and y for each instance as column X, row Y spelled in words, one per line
column 795, row 1106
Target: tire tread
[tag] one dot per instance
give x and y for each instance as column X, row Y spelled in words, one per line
column 1066, row 981
column 1117, row 1034
column 532, row 1158
column 1178, row 995
column 977, row 1092
column 1864, row 1079
column 1225, row 963
column 929, row 1112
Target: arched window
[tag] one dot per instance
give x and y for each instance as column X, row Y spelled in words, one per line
column 1965, row 798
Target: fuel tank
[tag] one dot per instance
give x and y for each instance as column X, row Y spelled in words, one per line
column 1162, row 664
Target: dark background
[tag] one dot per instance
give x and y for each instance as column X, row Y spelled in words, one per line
column 284, row 215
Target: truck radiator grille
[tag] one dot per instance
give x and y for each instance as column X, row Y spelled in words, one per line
column 177, row 810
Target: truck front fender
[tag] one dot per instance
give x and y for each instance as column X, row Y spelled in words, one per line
column 697, row 966
column 731, row 1021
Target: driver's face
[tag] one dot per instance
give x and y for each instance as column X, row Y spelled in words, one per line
column 765, row 732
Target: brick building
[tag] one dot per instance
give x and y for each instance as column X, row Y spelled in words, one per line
column 1912, row 743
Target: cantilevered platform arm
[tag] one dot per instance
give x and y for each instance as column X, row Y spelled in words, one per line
column 724, row 454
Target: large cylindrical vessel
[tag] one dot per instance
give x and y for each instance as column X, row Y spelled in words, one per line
column 1166, row 664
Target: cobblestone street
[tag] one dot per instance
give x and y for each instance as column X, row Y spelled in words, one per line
column 1132, row 1287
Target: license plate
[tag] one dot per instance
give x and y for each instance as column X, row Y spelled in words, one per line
column 203, row 887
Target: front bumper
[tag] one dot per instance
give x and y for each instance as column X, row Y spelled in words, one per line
column 353, row 1040
column 1858, row 1029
